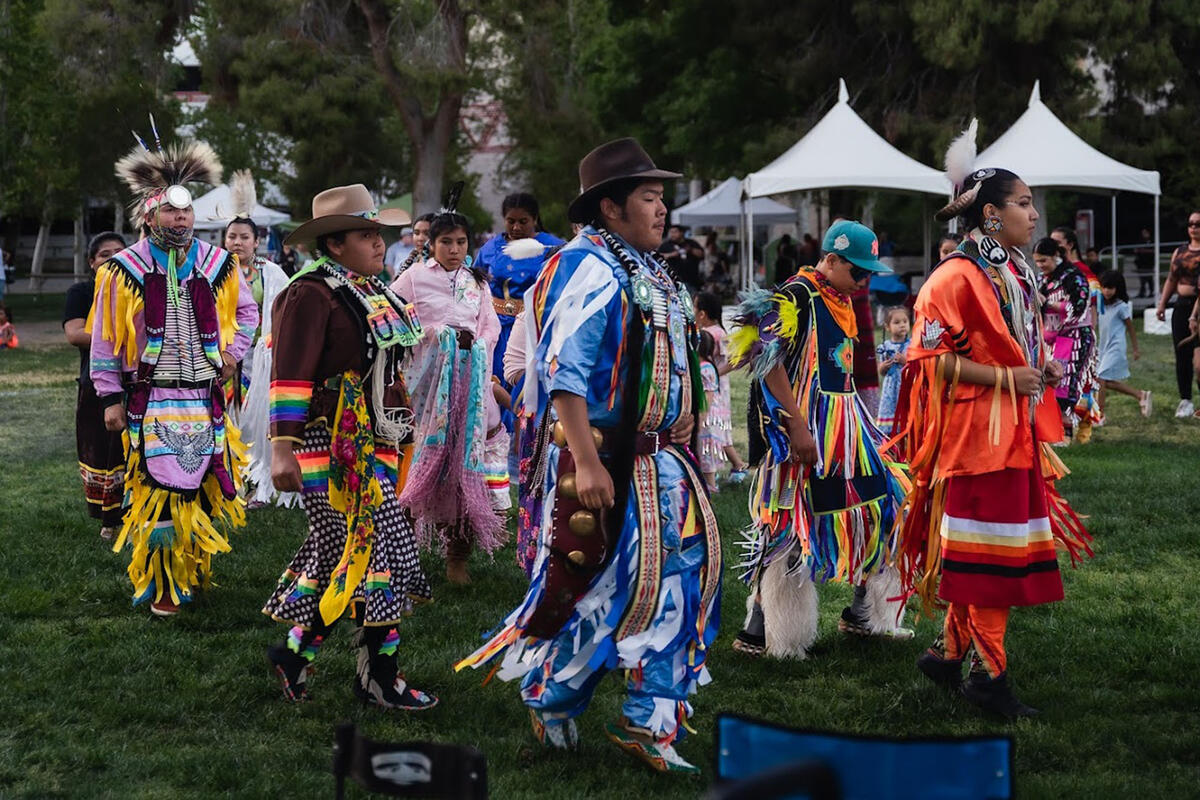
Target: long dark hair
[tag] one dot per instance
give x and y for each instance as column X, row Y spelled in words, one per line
column 710, row 304
column 1049, row 247
column 1113, row 279
column 526, row 202
column 449, row 222
column 995, row 185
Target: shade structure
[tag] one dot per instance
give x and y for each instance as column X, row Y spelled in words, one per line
column 215, row 209
column 843, row 152
column 1046, row 153
column 722, row 206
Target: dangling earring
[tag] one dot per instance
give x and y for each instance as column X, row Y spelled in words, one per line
column 992, row 225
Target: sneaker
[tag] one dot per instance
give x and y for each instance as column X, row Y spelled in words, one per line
column 1144, row 403
column 995, row 696
column 107, row 533
column 750, row 644
column 293, row 671
column 737, row 476
column 659, row 755
column 1184, row 409
column 852, row 624
column 399, row 696
column 164, row 608
column 556, row 733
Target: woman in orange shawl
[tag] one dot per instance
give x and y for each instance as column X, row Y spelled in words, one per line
column 977, row 410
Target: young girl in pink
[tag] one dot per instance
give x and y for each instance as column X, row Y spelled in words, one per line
column 711, row 443
column 458, row 478
column 708, row 320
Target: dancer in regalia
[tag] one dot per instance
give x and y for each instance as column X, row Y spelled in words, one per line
column 628, row 570
column 252, row 384
column 977, row 415
column 171, row 318
column 825, row 495
column 339, row 411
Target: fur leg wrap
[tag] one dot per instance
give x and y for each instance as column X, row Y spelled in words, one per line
column 884, row 603
column 789, row 604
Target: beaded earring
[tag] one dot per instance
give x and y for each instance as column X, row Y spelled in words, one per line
column 992, row 225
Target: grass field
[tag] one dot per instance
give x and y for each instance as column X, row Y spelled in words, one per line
column 101, row 700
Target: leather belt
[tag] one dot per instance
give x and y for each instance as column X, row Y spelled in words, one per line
column 207, row 384
column 508, row 305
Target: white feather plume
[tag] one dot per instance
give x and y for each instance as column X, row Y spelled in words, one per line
column 242, row 193
column 519, row 249
column 960, row 156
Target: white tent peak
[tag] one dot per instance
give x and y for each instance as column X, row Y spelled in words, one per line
column 215, row 208
column 1036, row 95
column 842, row 151
column 1045, row 152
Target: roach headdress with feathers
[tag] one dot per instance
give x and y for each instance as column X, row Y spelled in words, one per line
column 242, row 194
column 162, row 175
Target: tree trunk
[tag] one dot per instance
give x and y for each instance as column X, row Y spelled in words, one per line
column 118, row 217
column 430, row 134
column 80, row 244
column 39, row 251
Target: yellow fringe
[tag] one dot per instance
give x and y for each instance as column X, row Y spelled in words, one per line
column 187, row 562
column 227, row 300
column 740, row 342
column 120, row 305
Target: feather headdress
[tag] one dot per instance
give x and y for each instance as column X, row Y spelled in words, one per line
column 149, row 173
column 242, row 194
column 960, row 169
column 450, row 204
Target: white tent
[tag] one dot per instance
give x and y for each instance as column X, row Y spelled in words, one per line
column 1046, row 153
column 214, row 209
column 723, row 206
column 842, row 152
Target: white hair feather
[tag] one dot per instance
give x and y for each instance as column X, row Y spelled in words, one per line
column 960, row 157
column 242, row 193
column 519, row 249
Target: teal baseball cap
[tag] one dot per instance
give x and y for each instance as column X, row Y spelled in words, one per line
column 856, row 243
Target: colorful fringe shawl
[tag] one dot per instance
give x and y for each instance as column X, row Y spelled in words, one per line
column 842, row 511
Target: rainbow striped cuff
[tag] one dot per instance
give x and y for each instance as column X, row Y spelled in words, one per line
column 289, row 401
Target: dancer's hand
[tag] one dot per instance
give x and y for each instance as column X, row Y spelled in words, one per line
column 228, row 366
column 1030, row 381
column 285, row 468
column 594, row 485
column 114, row 418
column 681, row 431
column 1053, row 372
column 802, row 446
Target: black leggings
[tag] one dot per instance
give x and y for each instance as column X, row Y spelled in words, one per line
column 1183, row 355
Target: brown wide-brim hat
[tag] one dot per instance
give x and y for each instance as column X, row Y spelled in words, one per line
column 346, row 208
column 612, row 161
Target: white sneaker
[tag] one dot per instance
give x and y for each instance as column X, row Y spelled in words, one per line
column 1184, row 409
column 1144, row 403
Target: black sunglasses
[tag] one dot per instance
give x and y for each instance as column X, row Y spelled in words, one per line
column 857, row 273
column 1193, row 224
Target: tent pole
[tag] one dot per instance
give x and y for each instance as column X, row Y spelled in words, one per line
column 1157, row 245
column 742, row 243
column 749, row 235
column 1114, row 230
column 927, row 234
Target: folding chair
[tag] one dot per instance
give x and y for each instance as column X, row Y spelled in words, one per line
column 408, row 769
column 760, row 760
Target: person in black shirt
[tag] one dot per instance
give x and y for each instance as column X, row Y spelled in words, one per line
column 101, row 452
column 683, row 256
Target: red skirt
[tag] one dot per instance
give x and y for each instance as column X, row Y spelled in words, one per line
column 997, row 545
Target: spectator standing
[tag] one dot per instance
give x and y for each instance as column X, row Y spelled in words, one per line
column 1115, row 321
column 398, row 251
column 683, row 256
column 1181, row 284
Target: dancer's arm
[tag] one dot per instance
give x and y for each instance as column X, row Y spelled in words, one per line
column 1026, row 380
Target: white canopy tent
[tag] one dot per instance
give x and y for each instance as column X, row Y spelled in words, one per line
column 722, row 206
column 842, row 152
column 1046, row 153
column 215, row 208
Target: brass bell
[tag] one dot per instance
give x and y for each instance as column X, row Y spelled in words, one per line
column 582, row 523
column 598, row 438
column 577, row 558
column 560, row 434
column 566, row 486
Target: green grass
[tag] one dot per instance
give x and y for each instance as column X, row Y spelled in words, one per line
column 100, row 700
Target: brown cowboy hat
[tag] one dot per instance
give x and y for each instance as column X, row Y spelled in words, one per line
column 346, row 208
column 612, row 161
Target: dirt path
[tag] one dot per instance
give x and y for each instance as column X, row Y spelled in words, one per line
column 40, row 333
